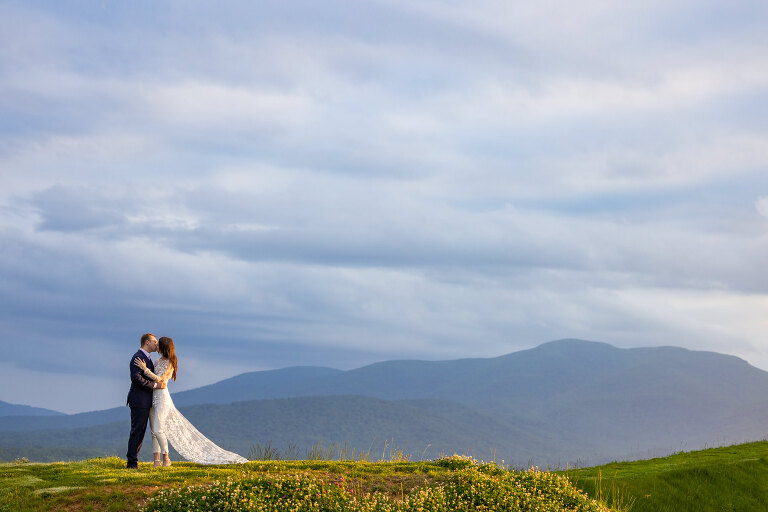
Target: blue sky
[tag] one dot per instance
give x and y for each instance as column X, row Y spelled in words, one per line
column 338, row 183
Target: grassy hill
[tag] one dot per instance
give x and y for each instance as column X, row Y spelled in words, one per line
column 451, row 483
column 733, row 478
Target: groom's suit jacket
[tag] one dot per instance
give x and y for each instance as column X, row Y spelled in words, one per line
column 140, row 394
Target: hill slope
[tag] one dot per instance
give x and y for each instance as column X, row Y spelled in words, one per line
column 729, row 478
column 734, row 478
column 439, row 486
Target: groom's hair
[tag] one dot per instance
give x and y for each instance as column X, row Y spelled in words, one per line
column 145, row 338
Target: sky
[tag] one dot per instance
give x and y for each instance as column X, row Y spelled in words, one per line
column 343, row 182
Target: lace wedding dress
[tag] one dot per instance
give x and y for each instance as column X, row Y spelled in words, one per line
column 185, row 438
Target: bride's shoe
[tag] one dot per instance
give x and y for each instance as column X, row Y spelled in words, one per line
column 157, row 462
column 166, row 460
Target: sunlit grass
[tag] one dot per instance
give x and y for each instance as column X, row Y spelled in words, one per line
column 451, row 483
column 105, row 484
column 731, row 478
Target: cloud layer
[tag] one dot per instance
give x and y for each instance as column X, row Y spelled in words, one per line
column 345, row 182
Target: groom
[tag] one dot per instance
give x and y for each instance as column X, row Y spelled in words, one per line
column 140, row 398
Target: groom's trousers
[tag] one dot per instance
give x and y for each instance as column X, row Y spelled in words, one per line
column 139, row 418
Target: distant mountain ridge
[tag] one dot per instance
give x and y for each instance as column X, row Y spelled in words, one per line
column 639, row 399
column 82, row 419
column 424, row 428
column 7, row 409
column 577, row 399
column 550, row 367
column 282, row 383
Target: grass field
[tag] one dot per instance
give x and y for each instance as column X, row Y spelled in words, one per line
column 446, row 484
column 733, row 478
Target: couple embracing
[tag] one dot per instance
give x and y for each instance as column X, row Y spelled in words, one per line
column 149, row 400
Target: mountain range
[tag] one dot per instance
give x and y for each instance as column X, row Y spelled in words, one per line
column 567, row 401
column 7, row 409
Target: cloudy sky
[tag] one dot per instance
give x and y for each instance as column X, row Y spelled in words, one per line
column 342, row 182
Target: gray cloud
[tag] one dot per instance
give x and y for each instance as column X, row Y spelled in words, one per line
column 346, row 182
column 69, row 210
column 390, row 227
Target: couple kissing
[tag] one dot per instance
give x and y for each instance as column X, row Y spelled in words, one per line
column 151, row 402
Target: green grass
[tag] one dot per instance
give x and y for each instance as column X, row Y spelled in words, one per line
column 733, row 478
column 461, row 485
column 447, row 484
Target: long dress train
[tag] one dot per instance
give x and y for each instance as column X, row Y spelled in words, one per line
column 183, row 436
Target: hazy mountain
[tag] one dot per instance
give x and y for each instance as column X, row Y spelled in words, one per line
column 423, row 428
column 7, row 409
column 626, row 400
column 83, row 419
column 286, row 382
column 562, row 400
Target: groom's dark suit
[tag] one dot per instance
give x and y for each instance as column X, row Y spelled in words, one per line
column 140, row 401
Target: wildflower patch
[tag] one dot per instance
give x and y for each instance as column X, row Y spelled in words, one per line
column 469, row 486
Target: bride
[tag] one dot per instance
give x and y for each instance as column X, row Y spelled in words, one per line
column 168, row 424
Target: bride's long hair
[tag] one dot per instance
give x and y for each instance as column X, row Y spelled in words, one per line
column 169, row 352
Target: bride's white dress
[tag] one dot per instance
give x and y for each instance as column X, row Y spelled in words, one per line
column 183, row 436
